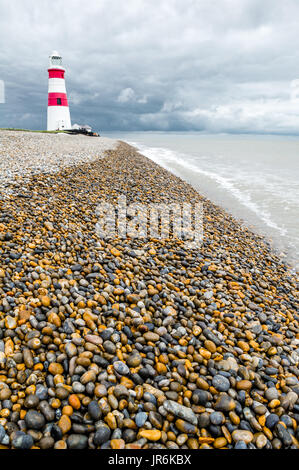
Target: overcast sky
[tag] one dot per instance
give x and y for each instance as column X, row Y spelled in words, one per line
column 211, row 65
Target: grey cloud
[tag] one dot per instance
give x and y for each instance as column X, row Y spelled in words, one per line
column 217, row 66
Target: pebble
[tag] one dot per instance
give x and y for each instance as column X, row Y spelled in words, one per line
column 47, row 411
column 153, row 337
column 121, row 368
column 31, row 401
column 217, row 418
column 271, row 420
column 140, row 419
column 22, row 441
column 125, row 343
column 65, row 424
column 242, row 435
column 94, row 410
column 225, row 403
column 34, row 420
column 102, row 435
column 221, row 383
column 151, row 434
column 2, row 432
column 261, row 441
column 77, row 441
column 46, row 442
column 179, row 410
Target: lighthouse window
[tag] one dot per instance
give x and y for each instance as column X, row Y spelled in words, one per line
column 58, row 100
column 56, row 60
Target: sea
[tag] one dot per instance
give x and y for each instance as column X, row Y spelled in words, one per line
column 254, row 177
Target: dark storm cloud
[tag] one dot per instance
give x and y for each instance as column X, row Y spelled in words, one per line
column 219, row 66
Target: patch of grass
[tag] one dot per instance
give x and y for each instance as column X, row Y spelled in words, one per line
column 28, row 130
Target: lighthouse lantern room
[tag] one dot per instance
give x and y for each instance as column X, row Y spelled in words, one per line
column 58, row 117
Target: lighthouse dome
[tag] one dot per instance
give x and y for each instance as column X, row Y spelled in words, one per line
column 55, row 59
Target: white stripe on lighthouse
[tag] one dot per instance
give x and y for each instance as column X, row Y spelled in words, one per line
column 56, row 85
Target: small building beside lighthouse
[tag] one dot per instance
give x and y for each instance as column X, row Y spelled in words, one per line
column 58, row 117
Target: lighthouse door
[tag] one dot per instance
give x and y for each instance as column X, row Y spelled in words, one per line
column 61, row 124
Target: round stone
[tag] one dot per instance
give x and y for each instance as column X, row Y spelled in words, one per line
column 261, row 441
column 134, row 360
column 46, row 442
column 121, row 368
column 242, row 435
column 221, row 383
column 47, row 410
column 102, row 435
column 22, row 440
column 271, row 420
column 65, row 424
column 94, row 410
column 271, row 394
column 34, row 420
column 217, row 418
column 200, row 397
column 55, row 368
column 31, row 401
column 151, row 434
column 120, row 391
column 41, row 392
column 225, row 403
column 77, row 441
column 70, row 349
column 150, row 336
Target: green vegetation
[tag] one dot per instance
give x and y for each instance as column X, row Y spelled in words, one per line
column 28, row 130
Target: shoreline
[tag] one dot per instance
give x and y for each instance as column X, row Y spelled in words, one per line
column 126, row 344
column 289, row 262
column 223, row 190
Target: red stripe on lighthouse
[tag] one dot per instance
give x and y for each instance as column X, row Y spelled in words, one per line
column 56, row 73
column 52, row 99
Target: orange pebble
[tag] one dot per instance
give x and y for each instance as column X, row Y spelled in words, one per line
column 67, row 410
column 74, row 401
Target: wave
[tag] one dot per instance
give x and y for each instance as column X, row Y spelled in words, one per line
column 178, row 163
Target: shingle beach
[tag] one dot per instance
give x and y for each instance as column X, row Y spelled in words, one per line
column 130, row 343
column 27, row 153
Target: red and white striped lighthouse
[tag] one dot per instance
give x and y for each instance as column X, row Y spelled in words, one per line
column 58, row 109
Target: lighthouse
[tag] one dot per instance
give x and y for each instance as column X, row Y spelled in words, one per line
column 58, row 109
